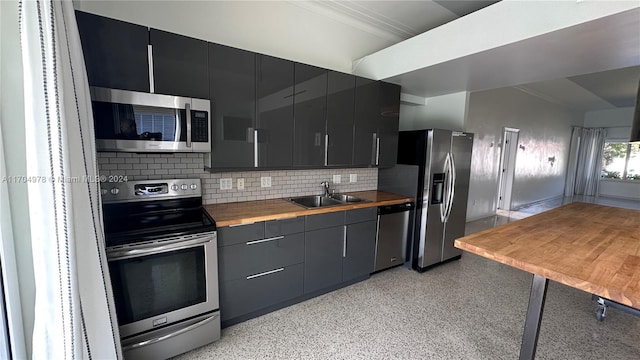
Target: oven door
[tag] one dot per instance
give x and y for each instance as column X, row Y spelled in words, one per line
column 159, row 283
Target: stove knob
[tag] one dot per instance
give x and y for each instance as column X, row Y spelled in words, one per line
column 184, row 187
column 194, row 186
column 115, row 191
column 103, row 191
column 174, row 187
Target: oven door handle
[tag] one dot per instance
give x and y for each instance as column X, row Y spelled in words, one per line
column 154, row 248
column 170, row 335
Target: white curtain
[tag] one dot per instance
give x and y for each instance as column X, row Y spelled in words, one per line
column 590, row 161
column 572, row 164
column 74, row 309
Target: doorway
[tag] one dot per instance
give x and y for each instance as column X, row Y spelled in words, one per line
column 507, row 167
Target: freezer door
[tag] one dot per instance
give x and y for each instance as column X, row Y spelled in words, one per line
column 461, row 146
column 431, row 226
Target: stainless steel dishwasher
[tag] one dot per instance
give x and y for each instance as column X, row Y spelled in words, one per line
column 392, row 235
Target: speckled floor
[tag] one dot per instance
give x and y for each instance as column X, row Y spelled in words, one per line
column 468, row 309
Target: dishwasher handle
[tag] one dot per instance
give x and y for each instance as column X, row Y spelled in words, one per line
column 392, row 209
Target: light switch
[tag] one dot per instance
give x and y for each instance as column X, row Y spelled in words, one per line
column 240, row 184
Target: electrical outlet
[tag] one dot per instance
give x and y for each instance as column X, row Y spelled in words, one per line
column 226, row 183
column 353, row 177
column 336, row 179
column 265, row 181
column 240, row 184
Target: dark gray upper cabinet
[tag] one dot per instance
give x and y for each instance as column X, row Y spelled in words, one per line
column 310, row 100
column 376, row 123
column 232, row 88
column 115, row 52
column 359, row 256
column 116, row 56
column 388, row 124
column 179, row 65
column 275, row 112
column 366, row 122
column 340, row 102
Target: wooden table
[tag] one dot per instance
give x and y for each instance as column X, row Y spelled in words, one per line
column 590, row 247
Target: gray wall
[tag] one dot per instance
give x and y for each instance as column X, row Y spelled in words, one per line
column 545, row 131
column 440, row 112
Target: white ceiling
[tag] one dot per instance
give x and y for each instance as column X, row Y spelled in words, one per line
column 333, row 34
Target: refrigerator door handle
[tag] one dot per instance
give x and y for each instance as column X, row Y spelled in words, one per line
column 443, row 204
column 452, row 189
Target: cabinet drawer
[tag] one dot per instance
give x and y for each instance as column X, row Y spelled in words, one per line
column 321, row 221
column 230, row 235
column 284, row 227
column 242, row 296
column 242, row 260
column 361, row 215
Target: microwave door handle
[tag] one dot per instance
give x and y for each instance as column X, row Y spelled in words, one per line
column 187, row 109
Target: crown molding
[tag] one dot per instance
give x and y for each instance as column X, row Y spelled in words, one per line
column 352, row 14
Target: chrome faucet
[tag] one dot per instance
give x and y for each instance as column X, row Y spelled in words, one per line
column 325, row 186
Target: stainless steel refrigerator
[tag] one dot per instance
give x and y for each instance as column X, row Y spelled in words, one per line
column 440, row 186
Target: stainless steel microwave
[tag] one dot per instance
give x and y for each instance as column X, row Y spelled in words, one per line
column 143, row 122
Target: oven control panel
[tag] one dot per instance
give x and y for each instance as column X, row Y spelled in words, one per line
column 150, row 190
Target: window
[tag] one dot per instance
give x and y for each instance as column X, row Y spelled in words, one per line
column 621, row 160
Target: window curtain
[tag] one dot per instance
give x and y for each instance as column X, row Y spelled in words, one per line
column 572, row 165
column 590, row 161
column 74, row 310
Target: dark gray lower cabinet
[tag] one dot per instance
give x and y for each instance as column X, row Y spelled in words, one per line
column 338, row 254
column 245, row 295
column 360, row 250
column 270, row 264
column 255, row 257
column 323, row 258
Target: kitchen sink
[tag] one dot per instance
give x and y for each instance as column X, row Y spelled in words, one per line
column 346, row 198
column 315, row 201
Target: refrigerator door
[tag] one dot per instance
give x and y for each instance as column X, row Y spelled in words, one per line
column 461, row 146
column 431, row 225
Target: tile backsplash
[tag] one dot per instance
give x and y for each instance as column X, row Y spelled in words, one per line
column 284, row 183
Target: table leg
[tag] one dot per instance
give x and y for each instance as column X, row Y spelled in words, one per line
column 534, row 316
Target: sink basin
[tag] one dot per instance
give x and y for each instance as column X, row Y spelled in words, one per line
column 315, row 201
column 346, row 198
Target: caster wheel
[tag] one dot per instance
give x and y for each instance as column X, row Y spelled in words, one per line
column 601, row 313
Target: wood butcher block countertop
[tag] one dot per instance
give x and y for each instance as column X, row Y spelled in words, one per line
column 273, row 209
column 589, row 247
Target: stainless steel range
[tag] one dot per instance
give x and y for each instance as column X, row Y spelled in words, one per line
column 163, row 261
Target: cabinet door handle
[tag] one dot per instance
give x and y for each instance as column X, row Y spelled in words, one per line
column 264, row 240
column 374, row 150
column 344, row 241
column 264, row 273
column 187, row 109
column 326, row 149
column 255, row 148
column 377, row 150
column 152, row 85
